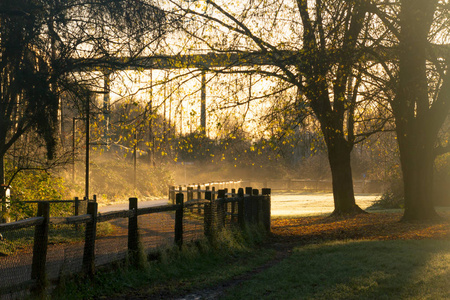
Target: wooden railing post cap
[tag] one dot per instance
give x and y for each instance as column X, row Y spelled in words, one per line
column 248, row 190
column 179, row 198
column 266, row 191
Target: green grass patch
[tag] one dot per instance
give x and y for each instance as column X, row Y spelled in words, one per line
column 411, row 269
column 197, row 265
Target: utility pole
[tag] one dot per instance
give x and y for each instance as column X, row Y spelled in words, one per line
column 203, row 104
column 135, row 160
column 106, row 105
column 86, row 189
column 151, row 138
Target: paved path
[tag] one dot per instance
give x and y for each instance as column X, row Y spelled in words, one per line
column 141, row 204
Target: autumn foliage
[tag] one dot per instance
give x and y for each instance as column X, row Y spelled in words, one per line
column 373, row 226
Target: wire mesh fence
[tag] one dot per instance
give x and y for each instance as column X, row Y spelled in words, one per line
column 65, row 251
column 193, row 223
column 113, row 246
column 16, row 253
column 43, row 249
column 156, row 230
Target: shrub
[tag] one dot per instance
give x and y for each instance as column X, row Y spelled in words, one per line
column 37, row 186
column 393, row 197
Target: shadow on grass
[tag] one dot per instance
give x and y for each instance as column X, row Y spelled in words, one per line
column 409, row 269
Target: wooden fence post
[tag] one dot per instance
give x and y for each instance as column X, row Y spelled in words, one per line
column 172, row 194
column 213, row 210
column 225, row 206
column 180, row 190
column 76, row 206
column 76, row 210
column 266, row 209
column 133, row 232
column 207, row 215
column 179, row 220
column 256, row 207
column 248, row 206
column 241, row 219
column 86, row 200
column 221, row 208
column 199, row 197
column 89, row 241
column 233, row 205
column 38, row 269
column 190, row 196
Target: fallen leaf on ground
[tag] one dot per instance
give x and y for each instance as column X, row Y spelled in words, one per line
column 373, row 226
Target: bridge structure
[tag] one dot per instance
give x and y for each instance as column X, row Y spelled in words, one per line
column 216, row 60
column 203, row 62
column 208, row 62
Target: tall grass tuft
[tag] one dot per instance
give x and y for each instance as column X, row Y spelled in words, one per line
column 175, row 270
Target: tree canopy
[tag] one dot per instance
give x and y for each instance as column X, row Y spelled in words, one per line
column 359, row 67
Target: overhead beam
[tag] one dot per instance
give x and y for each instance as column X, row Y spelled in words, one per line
column 221, row 60
column 197, row 61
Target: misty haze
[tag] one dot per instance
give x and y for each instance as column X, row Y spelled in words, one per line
column 206, row 149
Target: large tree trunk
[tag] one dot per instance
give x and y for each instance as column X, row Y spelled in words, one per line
column 342, row 181
column 417, row 170
column 415, row 121
column 417, row 160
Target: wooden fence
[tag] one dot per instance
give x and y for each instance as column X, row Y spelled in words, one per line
column 79, row 206
column 285, row 185
column 219, row 209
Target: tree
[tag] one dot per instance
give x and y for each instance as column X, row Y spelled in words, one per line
column 322, row 55
column 43, row 43
column 422, row 100
column 26, row 100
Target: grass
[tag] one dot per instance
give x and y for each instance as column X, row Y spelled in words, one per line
column 370, row 256
column 197, row 265
column 412, row 269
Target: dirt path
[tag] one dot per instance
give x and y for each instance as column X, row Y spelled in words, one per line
column 283, row 249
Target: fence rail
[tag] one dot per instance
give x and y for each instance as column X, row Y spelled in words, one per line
column 7, row 204
column 21, row 224
column 218, row 209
